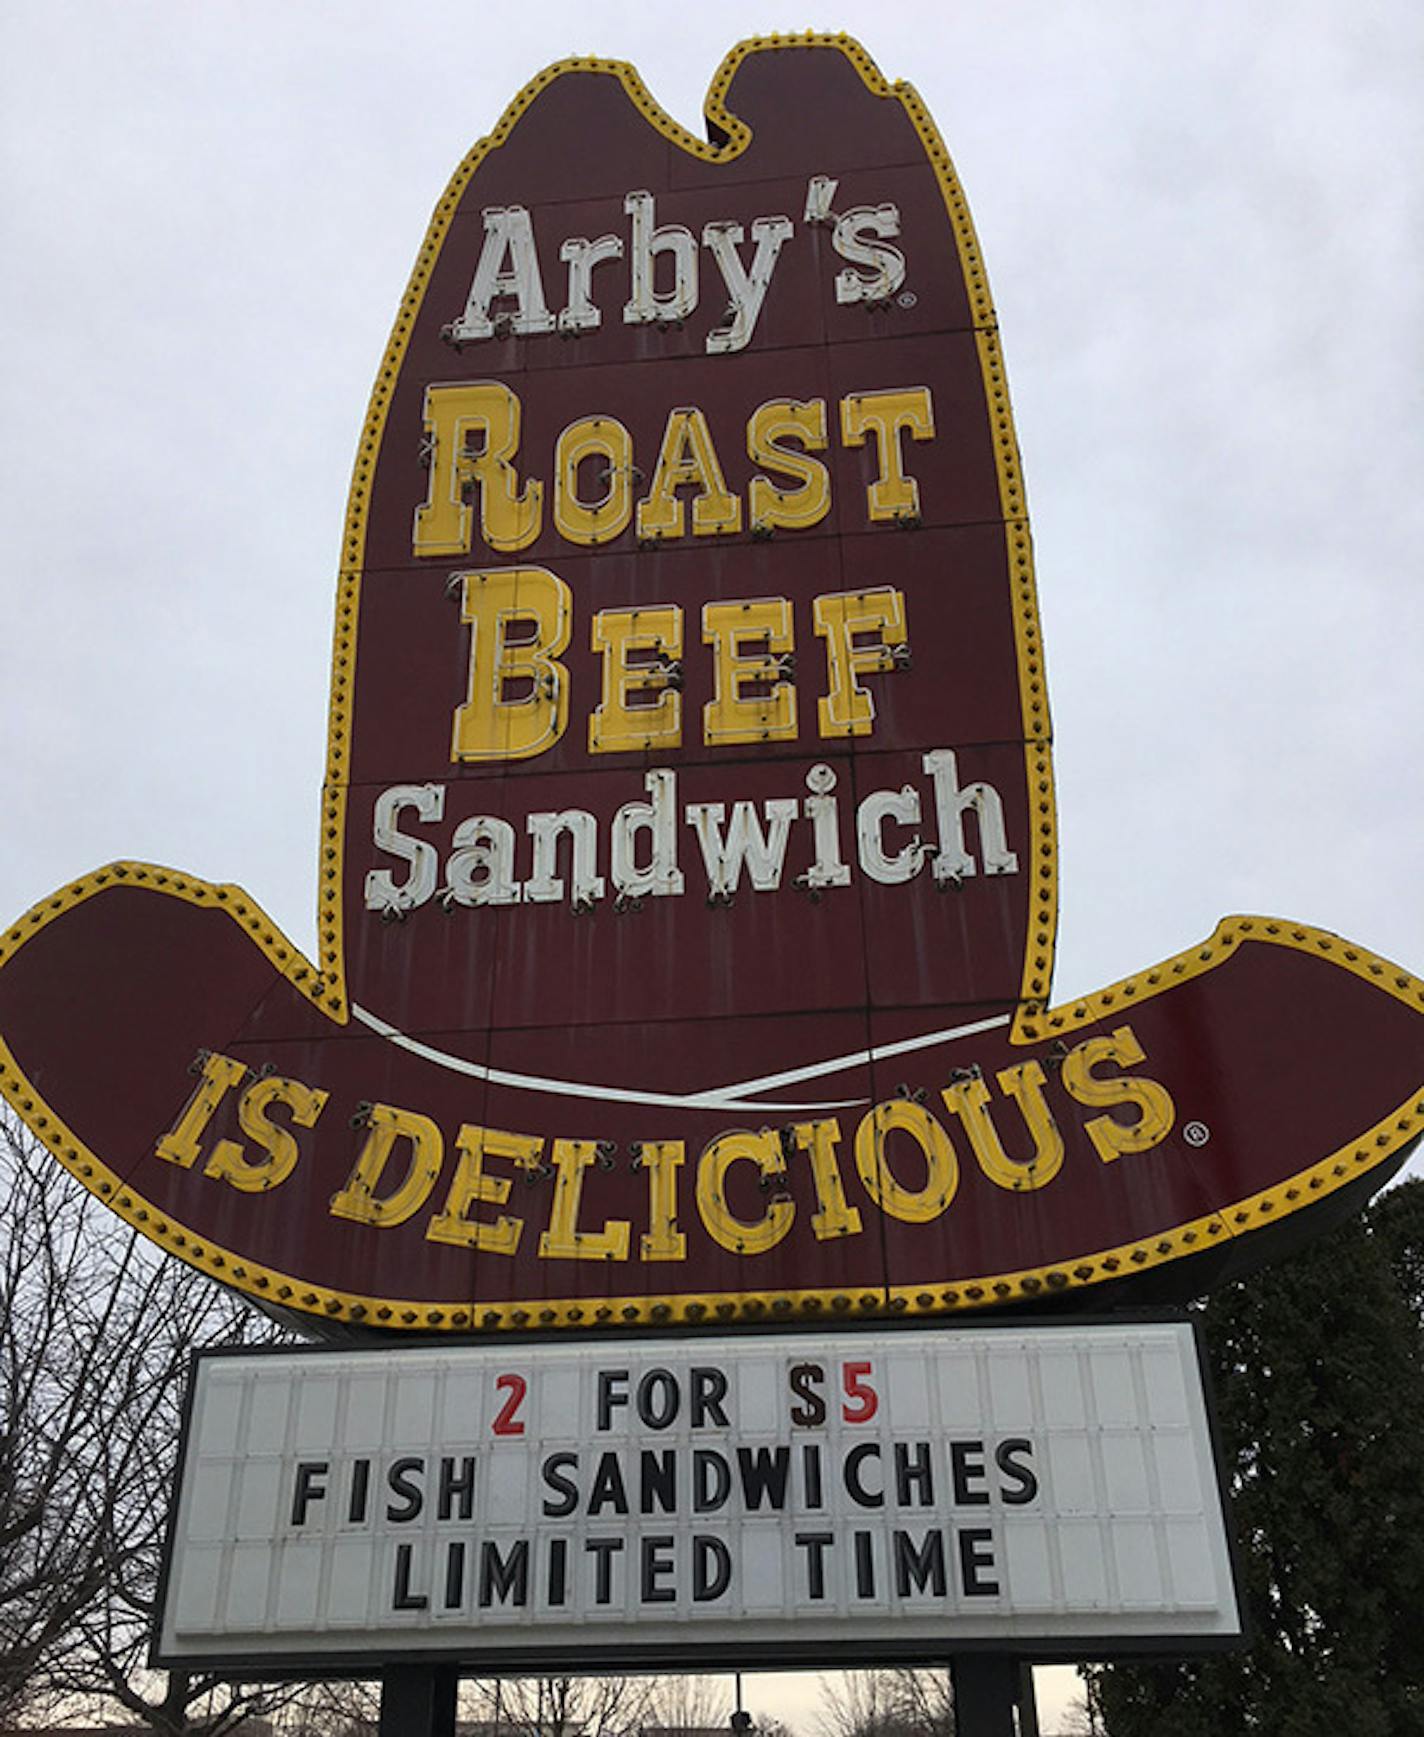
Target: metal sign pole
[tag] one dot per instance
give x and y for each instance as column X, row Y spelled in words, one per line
column 1028, row 1703
column 986, row 1694
column 418, row 1701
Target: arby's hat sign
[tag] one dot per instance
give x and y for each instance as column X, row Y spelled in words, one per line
column 687, row 848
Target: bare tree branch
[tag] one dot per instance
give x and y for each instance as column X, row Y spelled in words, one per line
column 887, row 1703
column 97, row 1330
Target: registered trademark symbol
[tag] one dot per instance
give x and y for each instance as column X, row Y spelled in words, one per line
column 907, row 298
column 1196, row 1133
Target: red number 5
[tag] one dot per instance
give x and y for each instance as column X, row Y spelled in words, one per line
column 862, row 1401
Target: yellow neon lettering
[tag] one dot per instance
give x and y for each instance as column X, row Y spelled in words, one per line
column 688, row 459
column 881, row 1184
column 662, row 1241
column 486, row 413
column 753, row 699
column 183, row 1143
column 834, row 1215
column 563, row 1240
column 969, row 1100
column 782, row 419
column 358, row 1200
column 230, row 1163
column 892, row 495
column 605, row 441
column 518, row 703
column 640, row 708
column 843, row 618
column 471, row 1185
column 1156, row 1112
column 741, row 1236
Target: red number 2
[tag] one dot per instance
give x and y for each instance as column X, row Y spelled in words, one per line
column 516, row 1387
column 862, row 1401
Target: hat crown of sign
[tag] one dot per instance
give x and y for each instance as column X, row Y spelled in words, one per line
column 767, row 357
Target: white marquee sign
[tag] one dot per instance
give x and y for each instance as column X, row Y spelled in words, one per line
column 767, row 1499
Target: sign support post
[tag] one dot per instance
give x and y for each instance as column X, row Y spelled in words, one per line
column 418, row 1701
column 986, row 1694
column 1028, row 1704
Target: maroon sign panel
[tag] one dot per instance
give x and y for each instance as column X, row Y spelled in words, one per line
column 687, row 849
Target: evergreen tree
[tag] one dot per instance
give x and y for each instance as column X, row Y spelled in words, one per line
column 1318, row 1364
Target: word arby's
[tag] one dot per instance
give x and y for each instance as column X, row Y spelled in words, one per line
column 507, row 295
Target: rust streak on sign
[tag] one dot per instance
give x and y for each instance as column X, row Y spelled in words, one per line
column 688, row 864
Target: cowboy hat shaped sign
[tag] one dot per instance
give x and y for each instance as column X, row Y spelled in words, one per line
column 687, row 845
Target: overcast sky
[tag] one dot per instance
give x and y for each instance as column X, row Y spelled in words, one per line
column 1202, row 224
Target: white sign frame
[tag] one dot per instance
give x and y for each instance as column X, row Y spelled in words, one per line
column 1068, row 1469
